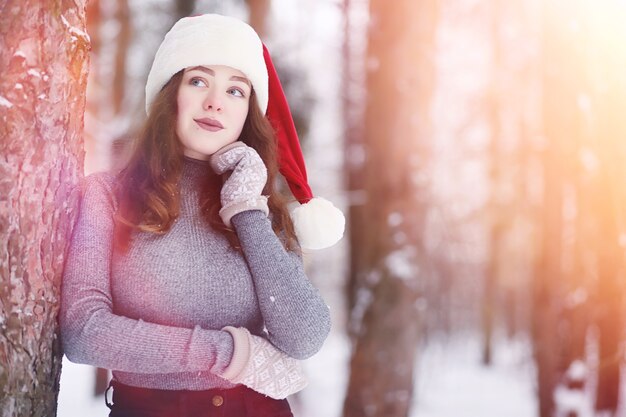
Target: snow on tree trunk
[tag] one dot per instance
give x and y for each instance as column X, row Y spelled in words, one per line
column 44, row 64
column 399, row 89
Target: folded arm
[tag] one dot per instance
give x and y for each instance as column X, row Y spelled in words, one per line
column 295, row 315
column 90, row 331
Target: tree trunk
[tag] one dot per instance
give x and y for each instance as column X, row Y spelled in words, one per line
column 545, row 302
column 354, row 160
column 44, row 63
column 497, row 217
column 396, row 116
column 108, row 100
column 184, row 8
column 259, row 9
column 557, row 113
column 123, row 40
column 611, row 127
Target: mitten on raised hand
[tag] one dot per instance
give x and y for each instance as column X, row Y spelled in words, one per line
column 257, row 364
column 242, row 189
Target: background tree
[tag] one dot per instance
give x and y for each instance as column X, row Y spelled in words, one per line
column 396, row 121
column 558, row 113
column 579, row 275
column 259, row 10
column 44, row 62
column 605, row 129
column 354, row 151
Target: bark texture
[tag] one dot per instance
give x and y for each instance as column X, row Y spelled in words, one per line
column 44, row 64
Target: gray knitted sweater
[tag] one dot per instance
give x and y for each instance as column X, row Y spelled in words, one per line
column 153, row 315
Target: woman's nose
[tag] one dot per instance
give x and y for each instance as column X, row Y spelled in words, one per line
column 212, row 102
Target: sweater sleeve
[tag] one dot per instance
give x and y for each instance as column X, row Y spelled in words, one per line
column 296, row 317
column 92, row 334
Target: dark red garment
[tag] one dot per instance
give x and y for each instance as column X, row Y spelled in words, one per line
column 235, row 402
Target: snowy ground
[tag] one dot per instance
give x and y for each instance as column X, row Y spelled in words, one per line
column 450, row 383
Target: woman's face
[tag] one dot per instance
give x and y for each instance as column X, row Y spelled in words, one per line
column 212, row 108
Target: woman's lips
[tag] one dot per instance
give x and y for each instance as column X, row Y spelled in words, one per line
column 211, row 125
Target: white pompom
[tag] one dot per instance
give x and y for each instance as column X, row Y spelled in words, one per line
column 318, row 224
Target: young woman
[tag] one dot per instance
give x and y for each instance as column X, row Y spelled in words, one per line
column 184, row 275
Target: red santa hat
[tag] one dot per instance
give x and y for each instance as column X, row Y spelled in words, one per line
column 213, row 39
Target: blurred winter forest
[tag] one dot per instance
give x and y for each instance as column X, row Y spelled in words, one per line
column 478, row 151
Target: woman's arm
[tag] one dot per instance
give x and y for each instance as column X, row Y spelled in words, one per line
column 92, row 334
column 296, row 317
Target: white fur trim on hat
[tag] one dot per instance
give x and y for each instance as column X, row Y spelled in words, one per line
column 209, row 39
column 318, row 224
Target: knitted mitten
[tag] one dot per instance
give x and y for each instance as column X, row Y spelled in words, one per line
column 242, row 190
column 257, row 364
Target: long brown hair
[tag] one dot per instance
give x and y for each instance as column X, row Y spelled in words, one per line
column 147, row 187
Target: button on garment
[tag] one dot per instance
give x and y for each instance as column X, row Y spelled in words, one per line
column 217, row 400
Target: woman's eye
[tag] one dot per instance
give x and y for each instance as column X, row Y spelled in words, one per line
column 236, row 92
column 198, row 82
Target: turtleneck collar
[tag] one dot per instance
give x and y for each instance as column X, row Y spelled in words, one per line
column 195, row 168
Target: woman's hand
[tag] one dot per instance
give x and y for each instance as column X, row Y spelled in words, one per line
column 242, row 189
column 257, row 364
